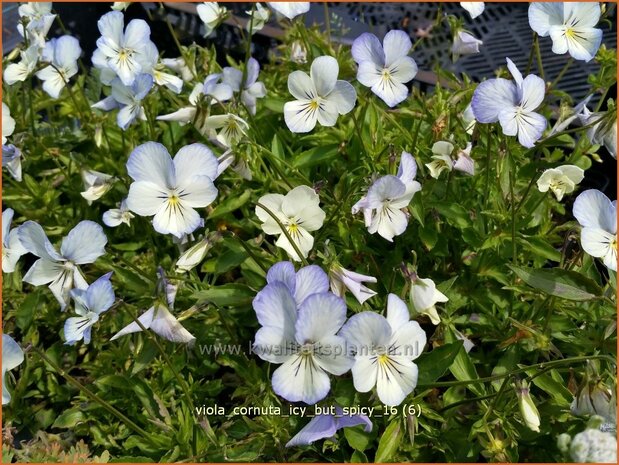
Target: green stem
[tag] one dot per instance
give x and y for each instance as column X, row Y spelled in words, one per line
column 286, row 233
column 177, row 42
column 31, row 107
column 538, row 55
column 562, row 73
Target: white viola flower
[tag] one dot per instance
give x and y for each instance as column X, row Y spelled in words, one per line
column 121, row 6
column 303, row 341
column 560, row 180
column 212, row 15
column 12, row 248
column 250, row 89
column 464, row 162
column 604, row 132
column 126, row 52
column 513, row 104
column 11, row 160
column 97, row 184
column 441, row 160
column 474, row 8
column 385, row 68
column 64, row 53
column 84, row 244
column 321, row 97
column 116, row 216
column 298, row 212
column 8, row 123
column 301, row 284
column 424, row 296
column 384, row 205
column 326, row 425
column 186, row 114
column 342, row 279
column 465, row 43
column 384, row 351
column 598, row 217
column 226, row 129
column 298, row 53
column 570, row 25
column 21, row 71
column 194, row 255
column 90, row 303
column 258, row 19
column 156, row 69
column 238, row 163
column 179, row 66
column 12, row 357
column 131, row 97
column 159, row 318
column 290, row 9
column 39, row 17
column 171, row 190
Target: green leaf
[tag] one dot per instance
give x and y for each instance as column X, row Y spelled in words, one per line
column 463, row 368
column 227, row 294
column 434, row 364
column 541, row 248
column 555, row 389
column 69, row 419
column 454, row 213
column 357, row 438
column 389, row 442
column 569, row 285
column 315, row 156
column 232, row 203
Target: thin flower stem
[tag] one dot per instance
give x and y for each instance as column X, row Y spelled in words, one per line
column 247, row 48
column 177, row 42
column 538, row 55
column 248, row 250
column 562, row 73
column 285, row 231
column 496, row 399
column 488, row 154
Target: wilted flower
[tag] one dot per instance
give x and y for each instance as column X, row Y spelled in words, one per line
column 96, row 184
column 604, row 132
column 11, row 160
column 385, row 68
column 474, row 8
column 8, row 123
column 194, row 255
column 342, row 279
column 513, row 104
column 21, row 71
column 12, row 248
column 465, row 43
column 259, row 18
column 12, row 357
column 598, row 217
column 560, row 180
column 464, row 162
column 211, row 14
column 528, row 410
column 84, row 244
column 170, row 190
column 384, row 351
column 89, row 305
column 250, row 89
column 325, row 426
column 570, row 25
column 290, row 9
column 62, row 53
column 595, row 398
column 298, row 212
column 115, row 216
column 424, row 296
column 321, row 97
column 441, row 160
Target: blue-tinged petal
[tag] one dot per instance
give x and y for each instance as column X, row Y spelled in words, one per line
column 100, row 294
column 195, row 160
column 544, row 15
column 275, row 307
column 12, row 357
column 533, row 91
column 196, row 192
column 346, row 421
column 407, row 169
column 283, row 272
column 111, row 27
column 137, row 34
column 127, row 115
column 300, row 379
column 320, row 427
column 151, row 162
column 309, row 280
column 365, row 331
column 320, row 315
column 390, row 90
column 273, row 345
column 146, row 198
column 35, row 241
column 43, row 272
column 84, row 243
column 75, row 327
column 396, row 45
column 530, row 128
column 384, row 188
column 343, row 96
column 331, row 354
column 369, row 73
column 7, row 218
column 367, row 47
column 142, row 85
column 66, row 51
column 176, row 218
column 491, row 97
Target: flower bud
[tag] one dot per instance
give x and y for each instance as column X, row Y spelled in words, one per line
column 528, row 410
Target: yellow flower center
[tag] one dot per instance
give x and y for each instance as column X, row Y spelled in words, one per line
column 613, row 243
column 174, row 200
column 383, row 359
column 314, row 104
column 569, row 33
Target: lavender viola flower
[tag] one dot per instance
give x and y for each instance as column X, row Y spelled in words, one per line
column 250, row 89
column 130, row 97
column 465, row 43
column 513, row 104
column 12, row 357
column 12, row 249
column 11, row 160
column 325, row 426
column 385, row 68
column 342, row 279
column 300, row 321
column 62, row 54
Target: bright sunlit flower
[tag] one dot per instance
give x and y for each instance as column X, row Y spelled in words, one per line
column 465, row 43
column 385, row 68
column 212, row 15
column 8, row 123
column 474, row 8
column 116, row 216
column 250, row 89
column 424, row 296
column 11, row 160
column 302, row 337
column 560, row 180
column 21, row 71
column 513, row 104
column 96, row 184
column 384, row 351
column 259, row 18
column 12, row 248
column 62, row 54
column 84, row 244
column 342, row 279
column 321, row 97
column 298, row 212
column 384, row 205
column 89, row 305
column 171, row 190
column 12, row 357
column 325, row 426
column 598, row 217
column 441, row 160
column 290, row 9
column 570, row 25
column 131, row 97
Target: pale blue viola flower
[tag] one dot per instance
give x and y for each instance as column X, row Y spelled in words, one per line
column 62, row 54
column 385, row 68
column 598, row 217
column 570, row 25
column 90, row 303
column 159, row 318
column 251, row 89
column 513, row 104
column 157, row 70
column 325, row 426
column 8, row 123
column 290, row 9
column 342, row 279
column 474, row 8
column 96, row 185
column 12, row 357
column 84, row 244
column 384, row 351
column 171, row 190
column 116, row 216
column 301, row 284
column 130, row 97
column 12, row 249
column 384, row 205
column 11, row 160
column 465, row 43
column 124, row 50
